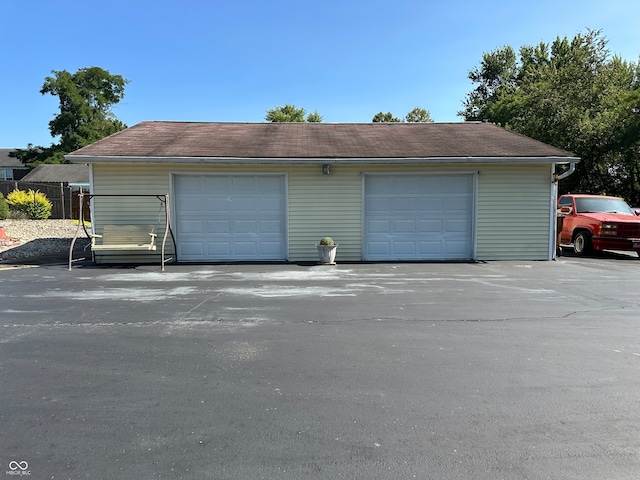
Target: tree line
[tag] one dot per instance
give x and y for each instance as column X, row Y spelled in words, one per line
column 570, row 93
column 86, row 101
column 292, row 113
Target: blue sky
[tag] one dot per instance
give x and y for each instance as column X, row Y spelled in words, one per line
column 227, row 61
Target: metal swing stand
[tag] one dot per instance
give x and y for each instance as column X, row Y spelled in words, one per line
column 164, row 198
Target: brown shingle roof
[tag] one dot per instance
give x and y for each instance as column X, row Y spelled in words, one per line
column 7, row 161
column 317, row 141
column 59, row 173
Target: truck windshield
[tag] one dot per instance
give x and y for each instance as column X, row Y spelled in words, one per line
column 602, row 205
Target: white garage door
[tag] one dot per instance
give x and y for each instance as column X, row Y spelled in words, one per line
column 230, row 217
column 418, row 217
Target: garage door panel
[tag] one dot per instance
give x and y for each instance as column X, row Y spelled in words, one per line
column 404, row 226
column 458, row 183
column 375, row 205
column 217, row 227
column 217, row 184
column 429, row 226
column 429, row 204
column 189, row 203
column 404, row 249
column 218, row 249
column 433, row 185
column 244, row 227
column 213, row 204
column 409, row 184
column 378, row 226
column 240, row 217
column 188, row 183
column 432, row 249
column 245, row 249
column 271, row 226
column 376, row 184
column 381, row 249
column 241, row 205
column 457, row 204
column 457, row 226
column 454, row 248
column 242, row 184
column 191, row 226
column 418, row 217
column 270, row 185
column 400, row 205
column 270, row 248
column 192, row 248
column 271, row 205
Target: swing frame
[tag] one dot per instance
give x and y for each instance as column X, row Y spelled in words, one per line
column 163, row 198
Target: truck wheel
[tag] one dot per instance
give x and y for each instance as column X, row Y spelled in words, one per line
column 582, row 244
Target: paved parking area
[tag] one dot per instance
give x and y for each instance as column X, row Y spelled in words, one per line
column 376, row 371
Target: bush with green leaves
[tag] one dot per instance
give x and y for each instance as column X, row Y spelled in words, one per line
column 327, row 241
column 34, row 204
column 4, row 208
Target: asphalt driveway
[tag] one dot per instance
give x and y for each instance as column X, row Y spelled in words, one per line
column 501, row 370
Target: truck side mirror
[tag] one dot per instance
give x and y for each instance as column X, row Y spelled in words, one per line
column 565, row 210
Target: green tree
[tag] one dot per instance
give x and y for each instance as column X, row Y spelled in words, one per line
column 291, row 113
column 33, row 203
column 497, row 70
column 572, row 94
column 385, row 118
column 4, row 208
column 417, row 115
column 314, row 117
column 86, row 99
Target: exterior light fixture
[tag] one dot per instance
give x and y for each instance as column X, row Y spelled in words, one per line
column 325, row 169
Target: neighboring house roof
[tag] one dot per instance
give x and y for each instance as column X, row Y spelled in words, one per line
column 7, row 161
column 60, row 173
column 306, row 142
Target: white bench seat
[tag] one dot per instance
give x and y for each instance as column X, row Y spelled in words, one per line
column 125, row 237
column 124, row 246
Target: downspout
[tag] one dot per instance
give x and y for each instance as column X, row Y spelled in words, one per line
column 572, row 168
column 553, row 249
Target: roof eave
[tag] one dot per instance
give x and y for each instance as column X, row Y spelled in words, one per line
column 319, row 160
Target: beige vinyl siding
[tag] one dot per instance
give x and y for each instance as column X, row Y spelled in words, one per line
column 318, row 205
column 513, row 220
column 325, row 205
column 128, row 179
column 331, row 205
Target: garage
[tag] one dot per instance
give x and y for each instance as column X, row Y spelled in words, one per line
column 230, row 217
column 419, row 217
column 383, row 191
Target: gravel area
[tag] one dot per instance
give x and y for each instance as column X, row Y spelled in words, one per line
column 41, row 240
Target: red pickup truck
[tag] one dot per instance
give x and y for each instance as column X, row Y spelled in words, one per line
column 592, row 223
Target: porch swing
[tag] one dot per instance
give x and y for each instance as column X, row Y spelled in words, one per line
column 123, row 239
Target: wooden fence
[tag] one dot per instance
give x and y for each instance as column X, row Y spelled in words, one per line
column 65, row 202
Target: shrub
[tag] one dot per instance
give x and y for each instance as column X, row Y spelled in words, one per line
column 34, row 204
column 4, row 208
column 327, row 241
column 17, row 214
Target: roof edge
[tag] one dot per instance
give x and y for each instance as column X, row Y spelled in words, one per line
column 319, row 160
